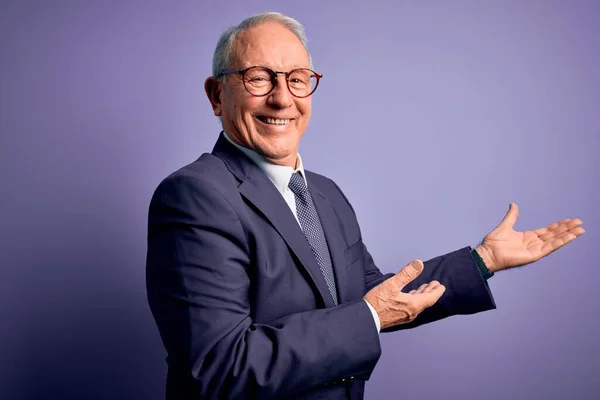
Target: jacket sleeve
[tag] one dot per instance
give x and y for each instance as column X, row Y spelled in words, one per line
column 199, row 289
column 466, row 290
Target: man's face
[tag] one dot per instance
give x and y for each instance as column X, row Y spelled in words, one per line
column 249, row 120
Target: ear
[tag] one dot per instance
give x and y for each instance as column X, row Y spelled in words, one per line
column 214, row 90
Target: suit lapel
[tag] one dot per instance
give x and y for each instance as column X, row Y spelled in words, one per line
column 256, row 187
column 333, row 235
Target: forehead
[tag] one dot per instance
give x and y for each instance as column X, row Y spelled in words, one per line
column 269, row 44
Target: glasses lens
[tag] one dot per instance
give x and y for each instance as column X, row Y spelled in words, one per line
column 302, row 82
column 258, row 81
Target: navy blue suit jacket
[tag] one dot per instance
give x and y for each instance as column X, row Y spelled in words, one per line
column 240, row 302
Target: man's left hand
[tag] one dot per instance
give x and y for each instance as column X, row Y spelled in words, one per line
column 505, row 248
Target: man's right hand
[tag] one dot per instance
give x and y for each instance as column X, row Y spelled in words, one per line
column 394, row 307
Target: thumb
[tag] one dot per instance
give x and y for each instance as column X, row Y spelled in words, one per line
column 409, row 273
column 511, row 217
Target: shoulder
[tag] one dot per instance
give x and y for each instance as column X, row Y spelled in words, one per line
column 321, row 181
column 328, row 187
column 197, row 200
column 208, row 169
column 207, row 179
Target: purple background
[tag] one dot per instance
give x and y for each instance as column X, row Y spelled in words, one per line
column 432, row 116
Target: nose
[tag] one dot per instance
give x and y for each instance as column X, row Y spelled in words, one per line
column 280, row 96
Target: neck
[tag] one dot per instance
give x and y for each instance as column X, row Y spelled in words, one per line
column 289, row 161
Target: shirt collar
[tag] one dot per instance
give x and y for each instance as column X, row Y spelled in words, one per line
column 278, row 174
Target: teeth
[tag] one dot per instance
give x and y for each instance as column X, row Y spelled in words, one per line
column 276, row 121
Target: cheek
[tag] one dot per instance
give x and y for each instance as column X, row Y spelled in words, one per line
column 245, row 106
column 239, row 104
column 304, row 106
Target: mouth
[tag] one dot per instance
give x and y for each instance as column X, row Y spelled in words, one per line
column 274, row 121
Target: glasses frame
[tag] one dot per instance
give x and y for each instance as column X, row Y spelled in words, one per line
column 273, row 74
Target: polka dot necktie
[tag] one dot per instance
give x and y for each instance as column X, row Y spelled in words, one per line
column 311, row 226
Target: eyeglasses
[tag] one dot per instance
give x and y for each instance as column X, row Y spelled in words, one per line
column 260, row 81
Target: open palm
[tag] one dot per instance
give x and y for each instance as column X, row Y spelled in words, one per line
column 506, row 248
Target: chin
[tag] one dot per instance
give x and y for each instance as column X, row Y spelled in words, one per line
column 279, row 153
column 279, row 142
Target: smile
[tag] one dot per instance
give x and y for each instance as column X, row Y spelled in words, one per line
column 274, row 121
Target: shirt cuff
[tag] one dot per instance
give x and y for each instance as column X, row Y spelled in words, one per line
column 483, row 269
column 375, row 317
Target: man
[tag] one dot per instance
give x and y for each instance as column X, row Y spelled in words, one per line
column 257, row 275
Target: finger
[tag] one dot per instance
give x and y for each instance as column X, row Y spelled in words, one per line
column 571, row 223
column 430, row 298
column 560, row 228
column 412, row 291
column 431, row 286
column 408, row 273
column 574, row 223
column 562, row 240
column 422, row 288
column 511, row 217
column 547, row 228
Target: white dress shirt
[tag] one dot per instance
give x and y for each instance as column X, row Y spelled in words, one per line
column 280, row 175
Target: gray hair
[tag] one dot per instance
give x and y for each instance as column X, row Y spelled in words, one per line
column 222, row 56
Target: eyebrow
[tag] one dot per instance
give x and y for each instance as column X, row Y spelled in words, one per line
column 296, row 66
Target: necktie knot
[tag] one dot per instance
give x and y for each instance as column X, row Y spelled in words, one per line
column 297, row 185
